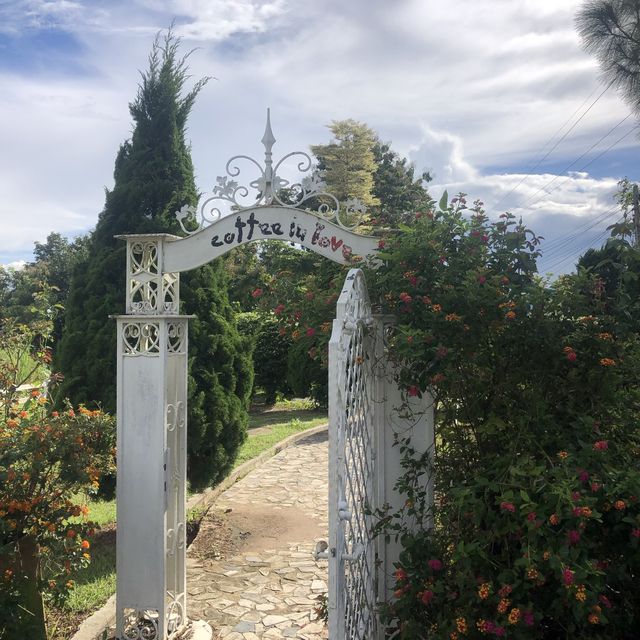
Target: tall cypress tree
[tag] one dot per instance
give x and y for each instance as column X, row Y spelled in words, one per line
column 153, row 178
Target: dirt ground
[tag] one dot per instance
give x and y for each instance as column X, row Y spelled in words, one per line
column 250, row 528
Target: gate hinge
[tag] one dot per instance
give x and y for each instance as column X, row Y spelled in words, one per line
column 344, row 513
column 358, row 550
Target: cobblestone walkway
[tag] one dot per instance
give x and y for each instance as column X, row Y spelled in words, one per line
column 270, row 587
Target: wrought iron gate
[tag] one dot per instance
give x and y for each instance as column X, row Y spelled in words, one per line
column 352, row 474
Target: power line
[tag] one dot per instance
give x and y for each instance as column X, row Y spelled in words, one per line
column 595, row 144
column 560, row 243
column 580, row 250
column 587, row 224
column 555, row 146
column 635, row 128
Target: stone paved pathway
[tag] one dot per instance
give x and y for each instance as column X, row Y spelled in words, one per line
column 269, row 589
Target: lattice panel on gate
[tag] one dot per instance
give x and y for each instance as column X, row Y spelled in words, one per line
column 352, row 557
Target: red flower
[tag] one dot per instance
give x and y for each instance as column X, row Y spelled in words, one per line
column 256, row 293
column 435, row 564
column 279, row 309
column 482, row 279
column 505, row 590
column 400, row 575
column 427, row 597
column 573, row 536
column 605, row 601
column 311, row 331
column 527, row 617
column 413, row 390
column 567, row 577
column 572, row 356
column 601, row 445
column 380, row 244
column 507, row 506
column 635, row 533
column 583, row 476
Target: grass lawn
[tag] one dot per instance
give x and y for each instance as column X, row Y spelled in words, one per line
column 259, row 442
column 96, row 583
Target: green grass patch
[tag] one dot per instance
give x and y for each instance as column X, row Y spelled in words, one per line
column 97, row 582
column 27, row 368
column 102, row 512
column 256, row 444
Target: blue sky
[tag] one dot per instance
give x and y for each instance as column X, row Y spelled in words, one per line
column 473, row 90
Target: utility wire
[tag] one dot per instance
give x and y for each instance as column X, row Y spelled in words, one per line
column 580, row 250
column 595, row 144
column 574, row 255
column 635, row 128
column 562, row 241
column 555, row 146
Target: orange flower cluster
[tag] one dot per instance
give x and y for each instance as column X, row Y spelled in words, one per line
column 484, row 590
column 503, row 605
column 461, row 624
column 514, row 616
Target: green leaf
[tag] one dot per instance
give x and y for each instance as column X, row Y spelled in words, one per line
column 444, row 201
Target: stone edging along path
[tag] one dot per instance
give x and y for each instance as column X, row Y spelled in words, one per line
column 94, row 626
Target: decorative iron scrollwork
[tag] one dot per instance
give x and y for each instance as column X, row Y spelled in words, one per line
column 176, row 334
column 141, row 338
column 268, row 189
column 141, row 624
column 175, row 612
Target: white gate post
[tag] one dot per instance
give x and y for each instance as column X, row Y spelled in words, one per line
column 151, row 412
column 396, row 417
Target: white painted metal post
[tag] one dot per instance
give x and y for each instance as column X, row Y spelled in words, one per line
column 398, row 416
column 151, row 489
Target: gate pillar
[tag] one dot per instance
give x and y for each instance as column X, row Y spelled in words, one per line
column 397, row 417
column 151, row 452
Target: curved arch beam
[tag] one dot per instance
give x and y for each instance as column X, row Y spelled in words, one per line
column 267, row 223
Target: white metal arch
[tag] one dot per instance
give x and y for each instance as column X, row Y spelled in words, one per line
column 152, row 352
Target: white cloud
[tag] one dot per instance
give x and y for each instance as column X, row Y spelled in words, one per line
column 442, row 154
column 16, row 265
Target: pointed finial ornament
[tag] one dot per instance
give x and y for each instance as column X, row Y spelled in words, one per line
column 268, row 141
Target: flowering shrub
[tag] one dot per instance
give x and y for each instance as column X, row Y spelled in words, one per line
column 537, row 521
column 304, row 305
column 47, row 459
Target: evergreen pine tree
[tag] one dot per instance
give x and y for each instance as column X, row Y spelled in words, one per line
column 347, row 163
column 153, row 178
